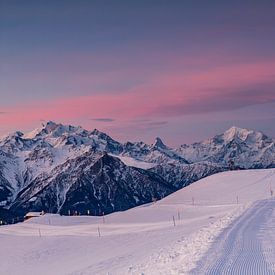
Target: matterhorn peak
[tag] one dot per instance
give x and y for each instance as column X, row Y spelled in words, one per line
column 159, row 143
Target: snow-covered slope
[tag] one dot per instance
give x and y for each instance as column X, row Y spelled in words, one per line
column 93, row 182
column 142, row 240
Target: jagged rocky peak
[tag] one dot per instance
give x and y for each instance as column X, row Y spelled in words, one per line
column 51, row 125
column 159, row 143
column 107, row 143
column 54, row 129
column 13, row 135
column 103, row 136
column 59, row 129
column 96, row 132
column 12, row 142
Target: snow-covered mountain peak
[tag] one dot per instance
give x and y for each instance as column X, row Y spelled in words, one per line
column 51, row 125
column 236, row 132
column 13, row 142
column 100, row 135
column 104, row 142
column 246, row 148
column 250, row 137
column 159, row 143
column 53, row 129
column 58, row 129
column 96, row 132
column 12, row 135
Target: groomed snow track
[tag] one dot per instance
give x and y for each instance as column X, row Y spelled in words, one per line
column 239, row 249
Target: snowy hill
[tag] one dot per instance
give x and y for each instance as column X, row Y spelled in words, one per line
column 166, row 237
column 61, row 168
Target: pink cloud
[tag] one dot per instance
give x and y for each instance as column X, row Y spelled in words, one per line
column 166, row 94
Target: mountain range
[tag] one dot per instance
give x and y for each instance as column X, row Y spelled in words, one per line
column 66, row 169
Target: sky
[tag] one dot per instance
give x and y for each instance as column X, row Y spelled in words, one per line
column 182, row 70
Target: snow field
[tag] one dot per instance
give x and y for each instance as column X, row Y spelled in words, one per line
column 142, row 240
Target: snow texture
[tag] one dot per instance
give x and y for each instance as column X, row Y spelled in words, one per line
column 241, row 248
column 170, row 236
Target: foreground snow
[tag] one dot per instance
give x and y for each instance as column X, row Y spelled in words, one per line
column 245, row 247
column 140, row 240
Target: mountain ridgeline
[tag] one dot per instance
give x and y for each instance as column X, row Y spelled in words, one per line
column 66, row 169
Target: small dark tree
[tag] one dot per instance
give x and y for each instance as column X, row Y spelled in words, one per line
column 231, row 165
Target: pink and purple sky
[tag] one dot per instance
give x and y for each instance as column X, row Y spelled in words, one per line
column 182, row 70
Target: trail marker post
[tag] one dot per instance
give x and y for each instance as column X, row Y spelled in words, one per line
column 103, row 218
column 98, row 230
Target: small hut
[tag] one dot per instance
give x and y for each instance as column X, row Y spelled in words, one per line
column 30, row 215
